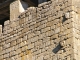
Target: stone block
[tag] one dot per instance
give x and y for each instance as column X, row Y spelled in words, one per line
column 30, row 46
column 6, row 55
column 13, row 43
column 0, row 29
column 45, row 29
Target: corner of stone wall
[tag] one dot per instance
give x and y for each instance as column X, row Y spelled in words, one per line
column 76, row 25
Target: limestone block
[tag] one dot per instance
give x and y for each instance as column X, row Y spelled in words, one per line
column 22, row 44
column 6, row 46
column 49, row 33
column 34, row 39
column 55, row 36
column 49, row 23
column 47, row 43
column 57, row 30
column 19, row 58
column 1, row 57
column 31, row 46
column 31, row 35
column 21, row 21
column 13, row 25
column 7, row 50
column 6, row 22
column 40, row 58
column 13, row 43
column 46, row 39
column 76, row 3
column 6, row 55
column 0, row 48
column 0, row 29
column 18, row 51
column 45, row 29
column 53, row 27
column 16, row 47
column 78, row 10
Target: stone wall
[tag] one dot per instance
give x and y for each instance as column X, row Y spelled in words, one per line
column 47, row 32
column 76, row 28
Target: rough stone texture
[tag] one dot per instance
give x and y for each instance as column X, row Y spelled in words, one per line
column 50, row 31
column 0, row 29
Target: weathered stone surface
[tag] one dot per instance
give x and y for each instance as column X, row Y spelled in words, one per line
column 0, row 29
column 50, row 31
